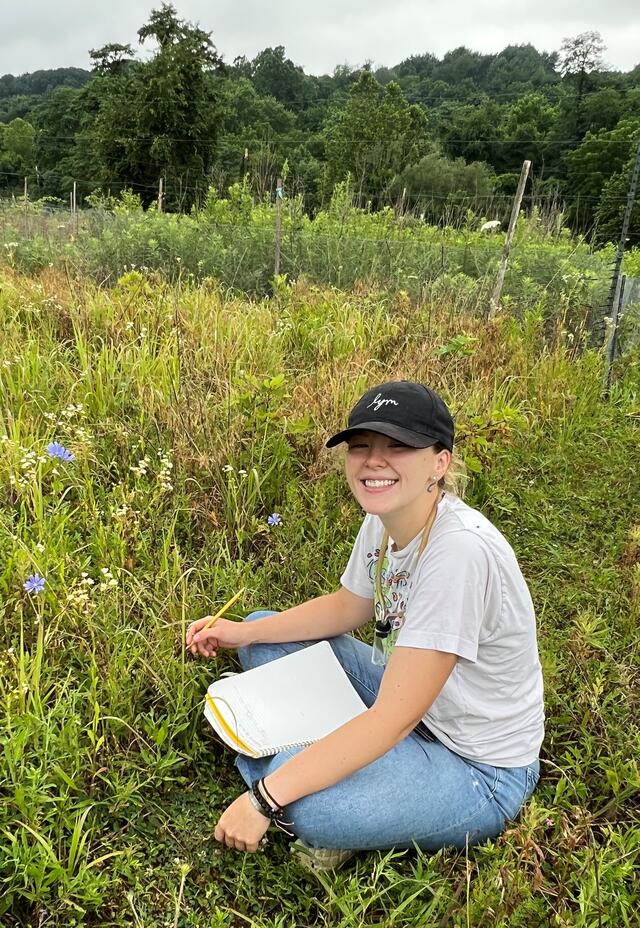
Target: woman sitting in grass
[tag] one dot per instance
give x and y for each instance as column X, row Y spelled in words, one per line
column 447, row 751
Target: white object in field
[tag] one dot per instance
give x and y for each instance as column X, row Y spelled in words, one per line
column 492, row 226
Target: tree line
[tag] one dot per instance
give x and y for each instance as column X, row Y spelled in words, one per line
column 431, row 136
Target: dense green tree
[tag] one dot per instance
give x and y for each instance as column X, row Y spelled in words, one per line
column 18, row 140
column 519, row 69
column 474, row 133
column 420, row 66
column 248, row 114
column 22, row 106
column 42, row 82
column 17, row 152
column 162, row 117
column 436, row 184
column 432, row 94
column 463, row 64
column 275, row 75
column 610, row 211
column 111, row 59
column 602, row 109
column 251, row 126
column 590, row 167
column 57, row 119
column 373, row 136
column 579, row 57
column 527, row 128
column 600, row 155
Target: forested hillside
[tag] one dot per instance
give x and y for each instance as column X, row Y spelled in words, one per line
column 434, row 136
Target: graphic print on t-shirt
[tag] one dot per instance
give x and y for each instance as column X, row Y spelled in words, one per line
column 395, row 587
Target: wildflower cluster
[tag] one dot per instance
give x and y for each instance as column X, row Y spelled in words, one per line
column 28, row 466
column 108, row 580
column 31, row 461
column 82, row 593
column 140, row 469
column 68, row 421
column 230, row 469
column 144, row 331
column 124, row 510
column 68, row 414
column 164, row 474
column 11, row 248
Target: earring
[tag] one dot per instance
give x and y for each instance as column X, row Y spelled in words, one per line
column 431, row 486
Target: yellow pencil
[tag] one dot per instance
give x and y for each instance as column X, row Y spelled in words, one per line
column 221, row 612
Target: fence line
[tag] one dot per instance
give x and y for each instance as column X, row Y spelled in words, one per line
column 553, row 196
column 565, row 278
column 417, row 235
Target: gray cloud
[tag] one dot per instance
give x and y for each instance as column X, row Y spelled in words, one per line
column 38, row 34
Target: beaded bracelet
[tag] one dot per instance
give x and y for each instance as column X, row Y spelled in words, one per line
column 268, row 794
column 256, row 805
column 274, row 814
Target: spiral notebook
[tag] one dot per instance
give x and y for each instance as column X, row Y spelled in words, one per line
column 289, row 702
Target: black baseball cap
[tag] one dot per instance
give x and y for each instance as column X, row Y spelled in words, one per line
column 407, row 411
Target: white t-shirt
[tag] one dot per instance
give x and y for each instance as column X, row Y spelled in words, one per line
column 469, row 598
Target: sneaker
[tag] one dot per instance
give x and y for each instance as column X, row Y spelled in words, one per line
column 319, row 859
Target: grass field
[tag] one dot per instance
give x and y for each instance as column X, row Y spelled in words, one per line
column 190, row 416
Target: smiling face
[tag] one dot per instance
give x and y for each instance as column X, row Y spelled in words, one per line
column 389, row 479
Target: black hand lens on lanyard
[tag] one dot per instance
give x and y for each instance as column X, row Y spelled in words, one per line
column 383, row 641
column 381, row 633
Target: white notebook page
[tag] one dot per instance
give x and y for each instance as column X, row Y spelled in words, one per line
column 299, row 697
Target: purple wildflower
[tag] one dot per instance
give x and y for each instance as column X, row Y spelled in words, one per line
column 56, row 450
column 274, row 519
column 34, row 584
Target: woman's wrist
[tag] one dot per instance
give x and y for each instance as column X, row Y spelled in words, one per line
column 279, row 790
column 268, row 794
column 266, row 804
column 256, row 805
column 248, row 633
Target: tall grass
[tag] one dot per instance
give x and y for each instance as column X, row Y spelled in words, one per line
column 192, row 415
column 232, row 240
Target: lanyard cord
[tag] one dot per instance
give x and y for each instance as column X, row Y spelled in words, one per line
column 426, row 532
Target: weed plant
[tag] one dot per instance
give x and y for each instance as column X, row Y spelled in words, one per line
column 147, row 434
column 233, row 241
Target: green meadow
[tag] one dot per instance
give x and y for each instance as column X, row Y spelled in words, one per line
column 191, row 414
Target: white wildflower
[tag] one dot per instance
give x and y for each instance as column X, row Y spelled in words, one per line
column 140, row 469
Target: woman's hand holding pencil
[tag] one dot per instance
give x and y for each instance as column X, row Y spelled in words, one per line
column 206, row 635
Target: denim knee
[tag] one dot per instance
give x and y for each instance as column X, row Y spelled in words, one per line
column 259, row 614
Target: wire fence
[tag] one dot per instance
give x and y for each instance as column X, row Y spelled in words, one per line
column 562, row 277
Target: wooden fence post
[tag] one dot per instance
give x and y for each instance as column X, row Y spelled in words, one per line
column 515, row 212
column 631, row 196
column 611, row 335
column 278, row 246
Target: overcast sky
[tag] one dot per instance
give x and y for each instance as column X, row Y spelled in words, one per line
column 318, row 35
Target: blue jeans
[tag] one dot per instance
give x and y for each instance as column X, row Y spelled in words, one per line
column 418, row 792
